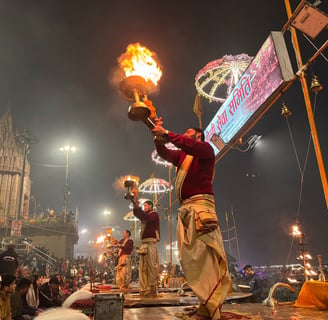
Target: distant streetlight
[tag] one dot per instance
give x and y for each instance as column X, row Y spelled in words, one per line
column 67, row 149
column 107, row 213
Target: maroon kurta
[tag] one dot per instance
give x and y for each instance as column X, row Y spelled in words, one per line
column 200, row 175
column 127, row 248
column 150, row 220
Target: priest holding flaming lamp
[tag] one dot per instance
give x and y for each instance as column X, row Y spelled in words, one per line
column 201, row 251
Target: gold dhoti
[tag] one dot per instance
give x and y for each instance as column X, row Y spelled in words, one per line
column 202, row 255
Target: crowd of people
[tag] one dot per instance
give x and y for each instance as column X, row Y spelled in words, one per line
column 38, row 260
column 34, row 281
column 32, row 291
column 29, row 286
column 26, row 288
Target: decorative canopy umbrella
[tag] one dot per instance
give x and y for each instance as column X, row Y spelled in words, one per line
column 130, row 217
column 154, row 186
column 158, row 160
column 221, row 73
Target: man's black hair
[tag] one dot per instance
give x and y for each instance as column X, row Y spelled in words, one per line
column 199, row 130
column 247, row 266
column 11, row 247
column 149, row 202
column 128, row 232
column 24, row 283
column 7, row 279
column 53, row 280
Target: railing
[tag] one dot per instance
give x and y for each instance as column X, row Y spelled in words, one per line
column 41, row 254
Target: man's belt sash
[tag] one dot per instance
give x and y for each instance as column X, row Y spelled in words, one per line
column 205, row 214
column 181, row 175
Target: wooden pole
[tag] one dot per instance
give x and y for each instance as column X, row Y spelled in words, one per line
column 170, row 212
column 307, row 100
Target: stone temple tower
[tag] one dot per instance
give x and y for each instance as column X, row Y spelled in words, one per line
column 58, row 235
column 12, row 163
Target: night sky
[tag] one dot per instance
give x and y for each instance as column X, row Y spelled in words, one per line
column 57, row 60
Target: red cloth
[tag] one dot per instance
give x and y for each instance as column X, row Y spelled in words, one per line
column 200, row 175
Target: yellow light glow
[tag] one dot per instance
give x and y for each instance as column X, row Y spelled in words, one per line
column 296, row 232
column 68, row 148
column 101, row 239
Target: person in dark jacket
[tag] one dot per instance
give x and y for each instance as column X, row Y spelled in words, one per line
column 49, row 294
column 255, row 283
column 20, row 310
column 9, row 260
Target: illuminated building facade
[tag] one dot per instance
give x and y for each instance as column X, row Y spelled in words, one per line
column 11, row 167
column 58, row 235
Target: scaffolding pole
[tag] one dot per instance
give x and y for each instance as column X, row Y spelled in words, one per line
column 307, row 100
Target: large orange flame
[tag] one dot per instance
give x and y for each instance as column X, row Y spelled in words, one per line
column 132, row 178
column 139, row 61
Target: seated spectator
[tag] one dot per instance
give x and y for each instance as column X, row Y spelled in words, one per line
column 26, row 272
column 49, row 294
column 20, row 310
column 62, row 293
column 8, row 286
column 255, row 283
column 70, row 285
column 32, row 295
column 73, row 271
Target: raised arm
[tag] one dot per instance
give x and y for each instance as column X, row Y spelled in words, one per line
column 189, row 146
